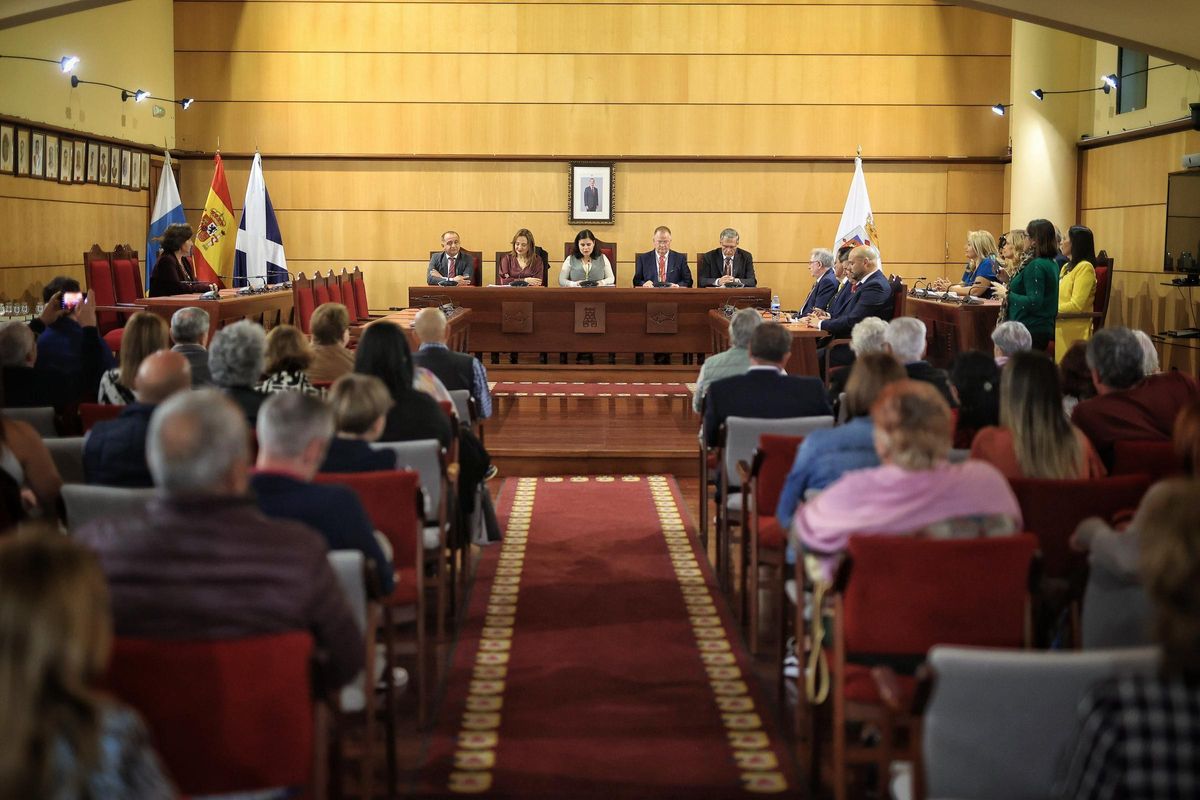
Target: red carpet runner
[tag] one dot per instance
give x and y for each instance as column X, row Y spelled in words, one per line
column 581, row 389
column 596, row 661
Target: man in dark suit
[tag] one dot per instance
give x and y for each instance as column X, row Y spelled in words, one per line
column 662, row 264
column 451, row 263
column 843, row 293
column 454, row 370
column 189, row 331
column 728, row 263
column 591, row 196
column 825, row 282
column 765, row 391
column 905, row 337
column 870, row 296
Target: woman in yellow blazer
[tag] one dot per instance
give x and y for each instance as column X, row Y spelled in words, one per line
column 1076, row 290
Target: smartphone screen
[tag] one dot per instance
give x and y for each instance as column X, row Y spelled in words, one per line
column 71, row 299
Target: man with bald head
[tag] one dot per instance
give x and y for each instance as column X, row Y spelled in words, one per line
column 114, row 453
column 455, row 370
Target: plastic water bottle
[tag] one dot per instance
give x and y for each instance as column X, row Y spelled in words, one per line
column 775, row 306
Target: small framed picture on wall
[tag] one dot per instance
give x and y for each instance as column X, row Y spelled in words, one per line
column 145, row 170
column 66, row 159
column 125, row 168
column 23, row 151
column 37, row 154
column 8, row 148
column 135, row 171
column 102, row 175
column 51, row 157
column 114, row 166
column 79, row 162
column 93, row 162
column 590, row 193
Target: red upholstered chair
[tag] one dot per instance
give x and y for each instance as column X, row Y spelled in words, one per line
column 127, row 275
column 360, row 294
column 1104, row 271
column 91, row 413
column 225, row 715
column 304, row 302
column 98, row 277
column 896, row 597
column 321, row 292
column 1157, row 459
column 346, row 288
column 766, row 540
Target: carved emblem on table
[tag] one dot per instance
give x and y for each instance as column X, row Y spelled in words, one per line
column 662, row 318
column 516, row 317
column 589, row 318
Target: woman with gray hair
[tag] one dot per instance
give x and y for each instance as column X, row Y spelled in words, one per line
column 236, row 360
column 1010, row 337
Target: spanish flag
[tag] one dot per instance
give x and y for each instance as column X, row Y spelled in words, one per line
column 214, row 252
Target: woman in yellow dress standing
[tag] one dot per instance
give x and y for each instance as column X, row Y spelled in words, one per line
column 1076, row 290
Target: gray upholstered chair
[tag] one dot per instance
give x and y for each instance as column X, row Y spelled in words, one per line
column 40, row 417
column 67, row 453
column 85, row 503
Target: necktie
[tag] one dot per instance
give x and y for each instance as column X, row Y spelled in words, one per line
column 853, row 288
column 728, row 265
column 451, row 262
column 662, row 268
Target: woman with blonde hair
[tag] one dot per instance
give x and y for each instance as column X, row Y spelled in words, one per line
column 360, row 407
column 1012, row 254
column 62, row 739
column 980, row 272
column 145, row 333
column 287, row 357
column 1035, row 439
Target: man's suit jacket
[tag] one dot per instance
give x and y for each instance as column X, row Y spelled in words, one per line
column 591, row 198
column 678, row 270
column 765, row 394
column 822, row 292
column 464, row 264
column 872, row 298
column 197, row 356
column 940, row 380
column 712, row 266
column 841, row 298
column 114, row 452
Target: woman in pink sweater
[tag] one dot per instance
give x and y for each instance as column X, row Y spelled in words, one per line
column 915, row 490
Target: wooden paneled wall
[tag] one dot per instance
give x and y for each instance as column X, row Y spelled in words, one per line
column 1124, row 201
column 387, row 215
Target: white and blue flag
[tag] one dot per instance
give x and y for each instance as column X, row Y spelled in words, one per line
column 259, row 259
column 168, row 210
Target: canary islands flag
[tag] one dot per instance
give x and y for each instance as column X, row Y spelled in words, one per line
column 858, row 223
column 213, row 254
column 168, row 210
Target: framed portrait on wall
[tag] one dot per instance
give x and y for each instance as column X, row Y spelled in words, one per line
column 8, row 148
column 114, row 166
column 135, row 170
column 66, row 157
column 23, row 150
column 102, row 175
column 51, row 157
column 79, row 162
column 37, row 154
column 590, row 193
column 93, row 162
column 145, row 159
column 125, row 168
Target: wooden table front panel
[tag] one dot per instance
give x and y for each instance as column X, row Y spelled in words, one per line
column 458, row 327
column 803, row 360
column 267, row 309
column 951, row 328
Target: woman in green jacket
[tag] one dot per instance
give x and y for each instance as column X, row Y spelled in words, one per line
column 1031, row 296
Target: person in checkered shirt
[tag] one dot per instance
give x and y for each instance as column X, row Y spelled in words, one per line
column 1140, row 736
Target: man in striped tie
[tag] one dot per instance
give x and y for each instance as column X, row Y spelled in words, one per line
column 728, row 264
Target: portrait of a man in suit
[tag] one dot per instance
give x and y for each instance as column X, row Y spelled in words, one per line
column 591, row 196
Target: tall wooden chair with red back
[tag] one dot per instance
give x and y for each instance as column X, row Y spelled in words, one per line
column 127, row 275
column 303, row 303
column 1052, row 509
column 321, row 291
column 226, row 716
column 1156, row 459
column 91, row 413
column 895, row 597
column 393, row 501
column 766, row 540
column 360, row 294
column 346, row 288
column 1104, row 273
column 98, row 277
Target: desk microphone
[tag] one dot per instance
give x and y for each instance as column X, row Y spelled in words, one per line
column 913, row 291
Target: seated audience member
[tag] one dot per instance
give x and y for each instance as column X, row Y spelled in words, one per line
column 454, row 370
column 905, row 339
column 236, row 360
column 1076, row 289
column 826, row 455
column 202, row 562
column 294, row 430
column 523, row 262
column 916, row 490
column 287, row 357
column 189, row 331
column 764, row 390
column 383, row 352
column 1138, row 734
column 1149, row 352
column 586, row 264
column 727, row 264
column 1077, row 383
column 145, row 333
column 868, row 336
column 331, row 359
column 1128, row 405
column 735, row 360
column 453, row 263
column 61, row 363
column 825, row 281
column 62, row 738
column 1113, row 554
column 360, row 405
column 975, row 379
column 1009, row 338
column 114, row 452
column 980, row 272
column 1034, row 438
column 173, row 272
column 29, row 480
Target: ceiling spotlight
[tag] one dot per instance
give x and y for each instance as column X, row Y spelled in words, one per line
column 138, row 96
column 1039, row 94
column 187, row 101
column 1110, row 82
column 74, row 81
column 998, row 109
column 68, row 63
